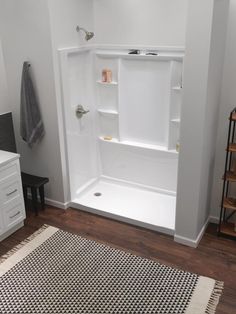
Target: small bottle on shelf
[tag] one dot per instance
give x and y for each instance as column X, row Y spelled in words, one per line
column 106, row 76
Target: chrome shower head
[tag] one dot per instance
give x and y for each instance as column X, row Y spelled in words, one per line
column 88, row 35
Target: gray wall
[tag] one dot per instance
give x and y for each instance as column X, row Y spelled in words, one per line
column 205, row 43
column 4, row 105
column 227, row 103
column 25, row 34
column 140, row 22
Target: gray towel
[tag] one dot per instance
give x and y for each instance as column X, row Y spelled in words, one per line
column 31, row 124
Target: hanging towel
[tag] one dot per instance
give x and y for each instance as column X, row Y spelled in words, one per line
column 31, row 124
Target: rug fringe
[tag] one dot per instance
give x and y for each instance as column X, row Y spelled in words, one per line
column 23, row 243
column 215, row 297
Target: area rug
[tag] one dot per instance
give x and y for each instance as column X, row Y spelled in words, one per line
column 62, row 273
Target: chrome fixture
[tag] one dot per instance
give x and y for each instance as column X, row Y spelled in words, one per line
column 80, row 111
column 88, row 35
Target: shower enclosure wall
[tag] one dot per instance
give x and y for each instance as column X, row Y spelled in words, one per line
column 121, row 155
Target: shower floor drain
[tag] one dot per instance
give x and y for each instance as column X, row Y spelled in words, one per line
column 97, row 194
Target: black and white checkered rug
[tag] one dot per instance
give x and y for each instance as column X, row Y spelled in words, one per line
column 59, row 272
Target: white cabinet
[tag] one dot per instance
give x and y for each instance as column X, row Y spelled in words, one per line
column 12, row 210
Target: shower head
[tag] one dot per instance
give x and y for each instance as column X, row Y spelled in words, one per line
column 88, row 35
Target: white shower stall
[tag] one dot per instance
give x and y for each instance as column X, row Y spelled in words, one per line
column 123, row 153
column 143, row 151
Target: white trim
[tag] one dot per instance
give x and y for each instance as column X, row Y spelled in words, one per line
column 51, row 202
column 214, row 220
column 192, row 242
column 57, row 204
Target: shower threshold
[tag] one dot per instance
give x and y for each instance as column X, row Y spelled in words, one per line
column 128, row 203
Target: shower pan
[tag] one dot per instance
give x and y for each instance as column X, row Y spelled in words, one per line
column 122, row 153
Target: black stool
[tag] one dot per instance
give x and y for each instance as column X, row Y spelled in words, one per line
column 34, row 183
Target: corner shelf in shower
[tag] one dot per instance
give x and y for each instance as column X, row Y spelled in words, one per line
column 107, row 84
column 177, row 120
column 113, row 140
column 108, row 111
column 177, row 88
column 139, row 145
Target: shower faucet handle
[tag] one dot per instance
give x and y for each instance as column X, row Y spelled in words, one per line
column 80, row 111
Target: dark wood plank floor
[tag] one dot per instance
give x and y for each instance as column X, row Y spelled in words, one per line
column 215, row 257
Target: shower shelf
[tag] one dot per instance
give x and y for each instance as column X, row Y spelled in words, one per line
column 114, row 140
column 160, row 57
column 175, row 120
column 140, row 145
column 177, row 88
column 107, row 84
column 107, row 111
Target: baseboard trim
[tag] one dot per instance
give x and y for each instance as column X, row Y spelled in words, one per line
column 53, row 203
column 214, row 220
column 57, row 204
column 192, row 242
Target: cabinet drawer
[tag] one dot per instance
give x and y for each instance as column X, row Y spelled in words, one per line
column 9, row 170
column 13, row 213
column 10, row 188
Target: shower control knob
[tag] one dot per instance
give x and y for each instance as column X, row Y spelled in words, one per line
column 80, row 111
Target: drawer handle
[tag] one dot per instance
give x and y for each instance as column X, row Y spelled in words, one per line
column 12, row 192
column 15, row 215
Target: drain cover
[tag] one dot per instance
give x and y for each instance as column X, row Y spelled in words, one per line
column 97, row 194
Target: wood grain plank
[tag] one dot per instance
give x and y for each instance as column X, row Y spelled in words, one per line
column 215, row 257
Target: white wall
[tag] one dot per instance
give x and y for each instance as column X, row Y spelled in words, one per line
column 205, row 43
column 65, row 15
column 4, row 105
column 25, row 33
column 227, row 103
column 140, row 22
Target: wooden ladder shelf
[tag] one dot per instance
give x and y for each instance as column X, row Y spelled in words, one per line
column 228, row 203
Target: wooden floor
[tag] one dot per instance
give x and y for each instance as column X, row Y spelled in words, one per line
column 215, row 257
